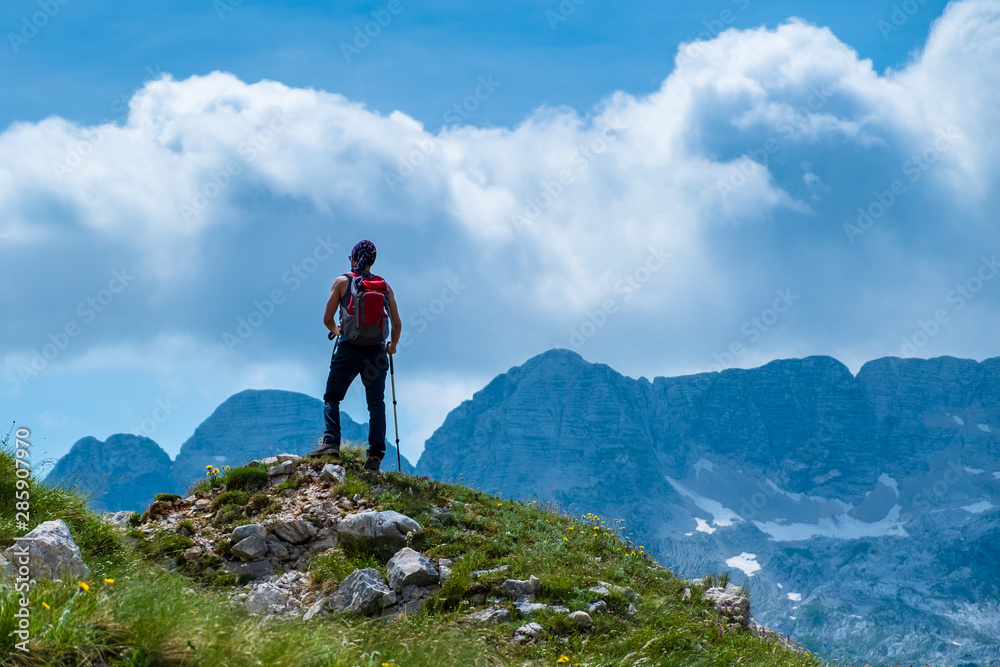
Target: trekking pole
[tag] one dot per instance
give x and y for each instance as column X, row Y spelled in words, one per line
column 395, row 421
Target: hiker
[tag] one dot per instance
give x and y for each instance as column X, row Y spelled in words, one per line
column 366, row 305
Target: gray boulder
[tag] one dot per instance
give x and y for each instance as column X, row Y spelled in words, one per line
column 264, row 597
column 410, row 568
column 284, row 469
column 528, row 609
column 362, row 592
column 490, row 615
column 240, row 533
column 332, row 473
column 383, row 532
column 730, row 604
column 581, row 619
column 119, row 519
column 50, row 552
column 294, row 531
column 515, row 588
column 250, row 548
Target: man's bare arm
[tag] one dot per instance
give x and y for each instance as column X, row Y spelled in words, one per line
column 336, row 294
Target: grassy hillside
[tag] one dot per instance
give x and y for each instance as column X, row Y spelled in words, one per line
column 145, row 605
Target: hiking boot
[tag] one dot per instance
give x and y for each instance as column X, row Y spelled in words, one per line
column 326, row 449
column 373, row 464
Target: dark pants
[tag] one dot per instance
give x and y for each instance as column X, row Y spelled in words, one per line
column 372, row 363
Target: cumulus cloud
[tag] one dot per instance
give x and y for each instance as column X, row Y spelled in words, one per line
column 650, row 232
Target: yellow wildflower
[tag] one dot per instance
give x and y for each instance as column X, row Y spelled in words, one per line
column 209, row 466
column 46, row 606
column 83, row 585
column 563, row 659
column 109, row 581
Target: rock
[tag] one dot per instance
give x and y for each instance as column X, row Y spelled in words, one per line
column 581, row 619
column 282, row 470
column 285, row 458
column 318, row 608
column 253, row 569
column 322, row 544
column 490, row 615
column 202, row 504
column 332, row 473
column 250, row 548
column 50, row 551
column 502, row 568
column 383, row 532
column 730, row 604
column 604, row 588
column 240, row 533
column 529, row 609
column 277, row 549
column 410, row 568
column 445, row 572
column 264, row 597
column 193, row 554
column 363, row 592
column 529, row 630
column 119, row 519
column 631, row 611
column 515, row 588
column 294, row 531
column 599, row 607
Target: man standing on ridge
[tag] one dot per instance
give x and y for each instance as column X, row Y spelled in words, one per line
column 366, row 304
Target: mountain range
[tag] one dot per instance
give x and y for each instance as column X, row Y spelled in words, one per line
column 125, row 471
column 857, row 509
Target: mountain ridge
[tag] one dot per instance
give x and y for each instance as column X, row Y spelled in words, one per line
column 842, row 500
column 126, row 471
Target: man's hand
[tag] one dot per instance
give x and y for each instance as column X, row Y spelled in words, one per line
column 390, row 347
column 336, row 330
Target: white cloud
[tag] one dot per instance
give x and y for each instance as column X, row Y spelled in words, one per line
column 663, row 170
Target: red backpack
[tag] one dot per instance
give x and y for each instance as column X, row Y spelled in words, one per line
column 365, row 321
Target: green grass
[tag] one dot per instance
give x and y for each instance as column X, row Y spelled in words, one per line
column 157, row 610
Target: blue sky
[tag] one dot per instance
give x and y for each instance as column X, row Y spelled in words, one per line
column 667, row 188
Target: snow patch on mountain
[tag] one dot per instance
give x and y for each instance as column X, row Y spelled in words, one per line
column 721, row 515
column 979, row 508
column 843, row 527
column 745, row 562
column 704, row 527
